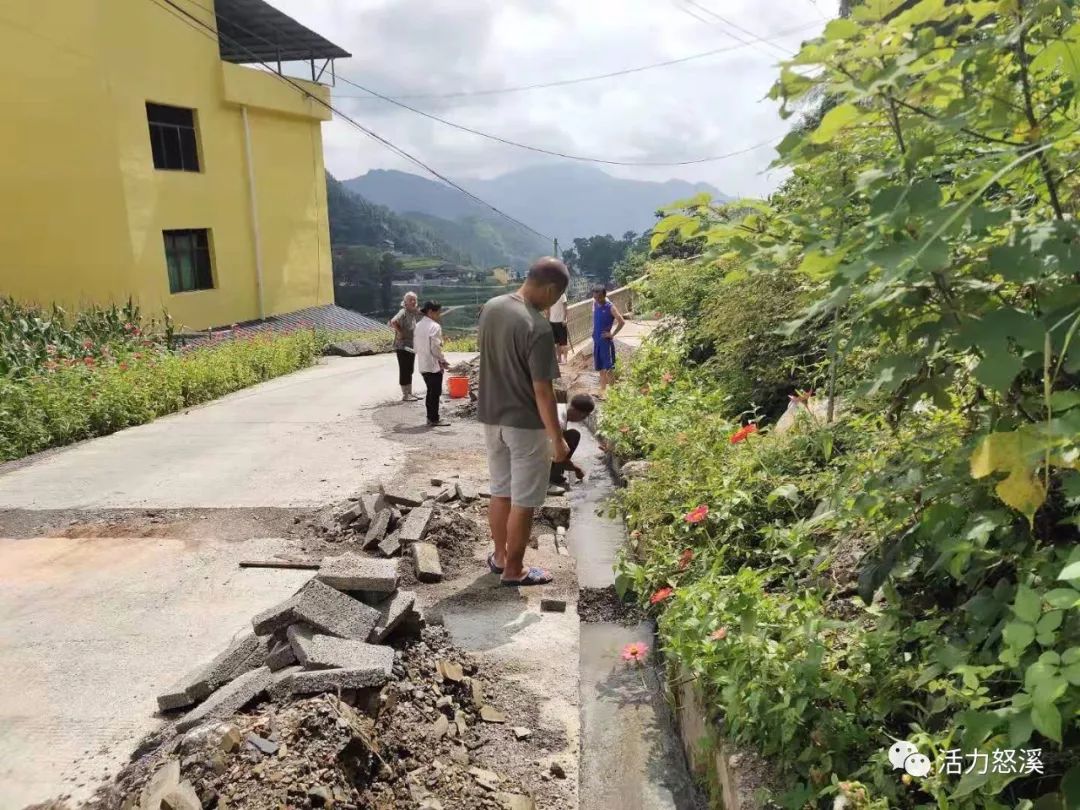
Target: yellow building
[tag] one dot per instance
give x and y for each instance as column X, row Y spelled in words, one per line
column 139, row 157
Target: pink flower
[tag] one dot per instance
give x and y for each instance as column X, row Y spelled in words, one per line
column 123, row 366
column 635, row 534
column 719, row 634
column 685, row 559
column 668, row 377
column 128, row 327
column 742, row 433
column 697, row 514
column 88, row 361
column 636, row 652
column 50, row 350
column 88, row 344
column 661, row 595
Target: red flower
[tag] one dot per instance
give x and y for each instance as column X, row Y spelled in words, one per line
column 123, row 366
column 136, row 331
column 741, row 434
column 89, row 361
column 88, row 343
column 635, row 651
column 661, row 595
column 685, row 558
column 719, row 634
column 668, row 377
column 697, row 514
column 137, row 356
column 128, row 327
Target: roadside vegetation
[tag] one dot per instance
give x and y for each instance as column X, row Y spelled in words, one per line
column 908, row 570
column 64, row 378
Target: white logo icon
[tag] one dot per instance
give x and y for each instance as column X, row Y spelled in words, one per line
column 905, row 755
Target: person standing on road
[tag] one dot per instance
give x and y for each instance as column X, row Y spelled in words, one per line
column 403, row 325
column 605, row 316
column 557, row 317
column 517, row 406
column 427, row 342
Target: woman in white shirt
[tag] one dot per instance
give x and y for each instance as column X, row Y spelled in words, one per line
column 557, row 316
column 430, row 360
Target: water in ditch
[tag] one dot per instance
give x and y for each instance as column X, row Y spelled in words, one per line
column 631, row 756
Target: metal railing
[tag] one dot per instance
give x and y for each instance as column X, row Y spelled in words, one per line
column 579, row 315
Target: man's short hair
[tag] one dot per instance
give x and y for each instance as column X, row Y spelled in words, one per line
column 430, row 306
column 583, row 403
column 549, row 270
column 599, row 288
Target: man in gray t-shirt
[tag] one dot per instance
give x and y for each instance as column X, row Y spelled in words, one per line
column 517, row 407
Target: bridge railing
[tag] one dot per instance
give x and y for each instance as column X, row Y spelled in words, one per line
column 579, row 315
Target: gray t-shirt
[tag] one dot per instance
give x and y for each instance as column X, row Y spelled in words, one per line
column 517, row 347
column 406, row 322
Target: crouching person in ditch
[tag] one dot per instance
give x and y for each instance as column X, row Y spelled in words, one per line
column 517, row 406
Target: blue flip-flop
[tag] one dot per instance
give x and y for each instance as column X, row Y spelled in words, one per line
column 491, row 564
column 534, row 576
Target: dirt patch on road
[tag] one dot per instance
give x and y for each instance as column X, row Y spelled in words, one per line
column 604, row 605
column 182, row 524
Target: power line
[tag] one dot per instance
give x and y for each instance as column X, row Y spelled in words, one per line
column 554, row 153
column 591, row 78
column 706, row 10
column 518, row 145
column 212, row 33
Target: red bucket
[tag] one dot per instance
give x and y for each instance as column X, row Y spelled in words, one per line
column 458, row 387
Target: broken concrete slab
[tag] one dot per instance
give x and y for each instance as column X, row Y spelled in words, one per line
column 327, row 652
column 391, row 544
column 446, row 495
column 515, row 801
column 392, row 612
column 556, row 511
column 416, row 524
column 489, row 714
column 450, row 671
column 467, row 492
column 279, row 684
column 243, row 655
column 378, row 528
column 182, row 797
column 281, row 653
column 229, row 699
column 549, row 604
column 372, row 503
column 334, row 680
column 426, row 562
column 164, row 781
column 358, row 572
column 399, row 496
column 324, row 608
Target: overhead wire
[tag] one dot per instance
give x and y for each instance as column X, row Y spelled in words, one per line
column 593, row 77
column 212, row 33
column 516, row 144
column 786, row 52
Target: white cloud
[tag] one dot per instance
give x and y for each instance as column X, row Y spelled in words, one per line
column 705, row 107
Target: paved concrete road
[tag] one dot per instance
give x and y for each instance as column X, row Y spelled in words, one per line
column 93, row 627
column 302, row 440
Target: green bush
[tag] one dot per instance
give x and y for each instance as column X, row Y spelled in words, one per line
column 71, row 400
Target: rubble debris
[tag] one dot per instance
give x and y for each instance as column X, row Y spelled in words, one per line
column 450, row 671
column 358, row 572
column 334, row 680
column 262, row 744
column 488, row 780
column 181, row 797
column 549, row 604
column 426, row 562
column 416, row 524
column 281, row 653
column 491, row 715
column 322, row 607
column 391, row 544
column 558, row 771
column 378, row 528
column 349, row 348
column 522, row 733
column 243, row 655
column 391, row 614
column 467, row 492
column 373, row 503
column 165, row 779
column 604, row 605
column 399, row 496
column 228, row 699
column 351, row 515
column 556, row 511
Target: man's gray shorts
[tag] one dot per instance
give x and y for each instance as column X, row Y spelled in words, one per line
column 519, row 461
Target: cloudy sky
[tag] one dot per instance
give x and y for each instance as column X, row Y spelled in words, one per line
column 704, row 107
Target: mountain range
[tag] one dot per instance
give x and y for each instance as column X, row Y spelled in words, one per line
column 563, row 200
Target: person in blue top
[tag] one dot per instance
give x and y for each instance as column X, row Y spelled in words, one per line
column 606, row 323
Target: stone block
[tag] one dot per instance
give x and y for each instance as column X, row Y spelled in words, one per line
column 550, row 604
column 164, row 781
column 416, row 524
column 556, row 511
column 229, row 699
column 281, row 653
column 327, row 652
column 358, row 572
column 426, row 562
column 377, row 530
column 333, row 680
column 372, row 503
column 323, row 608
column 181, row 797
column 400, row 496
column 243, row 655
column 279, row 683
column 467, row 492
column 349, row 516
column 391, row 544
column 392, row 612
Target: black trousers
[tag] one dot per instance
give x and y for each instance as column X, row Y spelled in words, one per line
column 433, row 381
column 561, row 468
column 406, row 362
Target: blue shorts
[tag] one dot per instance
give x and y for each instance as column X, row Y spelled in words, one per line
column 603, row 354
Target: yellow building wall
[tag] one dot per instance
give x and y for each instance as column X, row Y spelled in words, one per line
column 96, row 210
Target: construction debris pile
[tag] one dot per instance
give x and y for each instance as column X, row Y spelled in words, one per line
column 471, row 369
column 412, row 743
